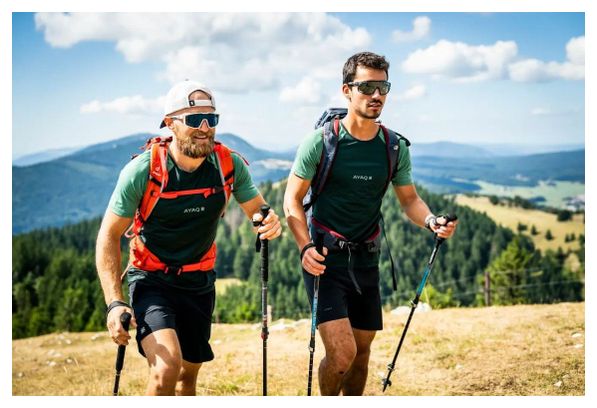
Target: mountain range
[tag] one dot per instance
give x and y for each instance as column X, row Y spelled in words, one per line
column 78, row 185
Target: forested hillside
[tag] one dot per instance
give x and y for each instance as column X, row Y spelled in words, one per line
column 55, row 285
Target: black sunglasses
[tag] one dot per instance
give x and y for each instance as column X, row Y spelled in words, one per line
column 194, row 120
column 369, row 87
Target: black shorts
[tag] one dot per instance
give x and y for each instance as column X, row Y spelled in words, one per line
column 189, row 314
column 338, row 297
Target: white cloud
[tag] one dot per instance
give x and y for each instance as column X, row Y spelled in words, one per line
column 462, row 62
column 412, row 93
column 533, row 70
column 424, row 118
column 306, row 91
column 228, row 51
column 421, row 28
column 127, row 105
column 337, row 100
column 575, row 50
column 540, row 112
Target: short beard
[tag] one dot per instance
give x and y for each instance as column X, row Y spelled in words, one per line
column 194, row 150
column 366, row 116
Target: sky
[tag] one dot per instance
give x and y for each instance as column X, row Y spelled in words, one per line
column 460, row 77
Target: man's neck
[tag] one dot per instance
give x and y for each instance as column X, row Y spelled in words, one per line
column 360, row 128
column 183, row 161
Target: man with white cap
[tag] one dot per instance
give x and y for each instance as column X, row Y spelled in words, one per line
column 174, row 215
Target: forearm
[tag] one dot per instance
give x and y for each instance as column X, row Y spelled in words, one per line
column 416, row 210
column 108, row 263
column 297, row 222
column 253, row 206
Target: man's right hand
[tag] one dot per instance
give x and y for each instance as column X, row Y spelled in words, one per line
column 312, row 261
column 117, row 332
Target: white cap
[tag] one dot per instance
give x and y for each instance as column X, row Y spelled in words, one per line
column 178, row 97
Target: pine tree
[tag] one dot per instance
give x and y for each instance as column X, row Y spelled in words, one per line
column 508, row 273
column 548, row 235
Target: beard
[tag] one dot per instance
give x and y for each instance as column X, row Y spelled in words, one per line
column 196, row 149
column 369, row 115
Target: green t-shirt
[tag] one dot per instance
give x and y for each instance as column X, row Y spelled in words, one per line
column 351, row 200
column 179, row 231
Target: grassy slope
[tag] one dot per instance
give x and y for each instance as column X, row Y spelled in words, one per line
column 510, row 217
column 223, row 283
column 514, row 350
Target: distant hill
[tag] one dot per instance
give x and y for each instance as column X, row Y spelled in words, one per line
column 511, row 149
column 454, row 175
column 448, row 149
column 45, row 156
column 78, row 186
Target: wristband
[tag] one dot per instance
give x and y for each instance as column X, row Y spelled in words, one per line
column 428, row 221
column 116, row 303
column 309, row 245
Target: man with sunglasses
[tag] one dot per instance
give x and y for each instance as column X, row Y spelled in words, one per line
column 170, row 273
column 349, row 306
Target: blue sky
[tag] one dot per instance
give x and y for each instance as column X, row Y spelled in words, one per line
column 461, row 77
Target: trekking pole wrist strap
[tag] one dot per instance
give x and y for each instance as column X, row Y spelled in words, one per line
column 116, row 303
column 431, row 217
column 309, row 245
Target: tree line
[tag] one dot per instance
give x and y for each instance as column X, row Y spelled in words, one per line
column 56, row 288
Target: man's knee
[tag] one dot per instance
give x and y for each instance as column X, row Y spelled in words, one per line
column 166, row 373
column 341, row 358
column 188, row 373
column 361, row 360
column 363, row 343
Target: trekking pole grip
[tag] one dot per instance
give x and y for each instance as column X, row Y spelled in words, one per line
column 449, row 218
column 125, row 320
column 319, row 243
column 264, row 210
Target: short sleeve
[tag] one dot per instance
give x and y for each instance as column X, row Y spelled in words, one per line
column 130, row 187
column 403, row 175
column 244, row 188
column 308, row 155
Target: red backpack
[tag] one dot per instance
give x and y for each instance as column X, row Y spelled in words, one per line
column 140, row 256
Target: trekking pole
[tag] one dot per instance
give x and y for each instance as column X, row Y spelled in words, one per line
column 319, row 247
column 438, row 241
column 261, row 245
column 125, row 319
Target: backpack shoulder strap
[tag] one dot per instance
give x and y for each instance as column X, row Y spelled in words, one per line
column 158, row 177
column 328, row 154
column 330, row 136
column 392, row 140
column 226, row 169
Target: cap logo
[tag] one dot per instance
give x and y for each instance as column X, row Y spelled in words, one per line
column 192, row 103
